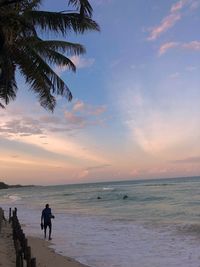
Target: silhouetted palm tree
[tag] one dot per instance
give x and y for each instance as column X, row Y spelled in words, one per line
column 21, row 47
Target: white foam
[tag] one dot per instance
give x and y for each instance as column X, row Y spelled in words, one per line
column 100, row 242
column 14, row 197
column 108, row 188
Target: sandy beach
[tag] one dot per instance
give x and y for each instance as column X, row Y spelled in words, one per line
column 46, row 257
column 7, row 252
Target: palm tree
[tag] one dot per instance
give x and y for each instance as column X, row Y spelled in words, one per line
column 23, row 50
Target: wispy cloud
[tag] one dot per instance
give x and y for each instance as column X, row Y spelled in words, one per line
column 178, row 5
column 192, row 160
column 174, row 75
column 82, row 62
column 195, row 4
column 74, row 119
column 80, row 106
column 169, row 21
column 193, row 46
column 98, row 167
column 165, row 47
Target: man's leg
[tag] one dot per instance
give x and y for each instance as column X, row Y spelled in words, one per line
column 50, row 231
column 45, row 231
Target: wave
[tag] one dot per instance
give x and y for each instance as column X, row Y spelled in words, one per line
column 108, row 188
column 14, row 197
column 162, row 184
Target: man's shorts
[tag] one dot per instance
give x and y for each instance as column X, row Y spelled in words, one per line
column 47, row 224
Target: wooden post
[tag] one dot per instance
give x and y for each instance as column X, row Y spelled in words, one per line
column 25, row 245
column 1, row 217
column 28, row 257
column 10, row 215
column 33, row 262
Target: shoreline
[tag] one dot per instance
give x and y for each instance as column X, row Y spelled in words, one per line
column 40, row 249
column 46, row 256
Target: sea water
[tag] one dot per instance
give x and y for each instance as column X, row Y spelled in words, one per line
column 157, row 225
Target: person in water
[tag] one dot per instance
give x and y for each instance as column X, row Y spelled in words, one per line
column 46, row 220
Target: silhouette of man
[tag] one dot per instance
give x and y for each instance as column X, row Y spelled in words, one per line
column 46, row 220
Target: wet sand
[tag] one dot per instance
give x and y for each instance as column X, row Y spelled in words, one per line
column 46, row 257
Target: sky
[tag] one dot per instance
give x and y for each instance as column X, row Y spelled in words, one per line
column 135, row 112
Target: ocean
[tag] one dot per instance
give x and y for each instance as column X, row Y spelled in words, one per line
column 156, row 225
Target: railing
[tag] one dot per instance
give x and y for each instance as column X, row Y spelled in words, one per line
column 23, row 251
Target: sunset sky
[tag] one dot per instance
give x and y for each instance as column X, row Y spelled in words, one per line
column 135, row 112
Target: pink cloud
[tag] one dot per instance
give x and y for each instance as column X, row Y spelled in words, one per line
column 74, row 119
column 167, row 22
column 170, row 20
column 194, row 45
column 97, row 111
column 165, row 47
column 80, row 106
column 178, row 6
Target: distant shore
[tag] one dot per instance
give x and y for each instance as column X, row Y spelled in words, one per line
column 6, row 186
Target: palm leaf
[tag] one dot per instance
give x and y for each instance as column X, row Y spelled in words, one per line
column 61, row 23
column 59, row 46
column 83, row 6
column 41, row 77
column 8, row 87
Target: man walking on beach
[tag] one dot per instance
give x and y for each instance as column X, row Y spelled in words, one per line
column 46, row 220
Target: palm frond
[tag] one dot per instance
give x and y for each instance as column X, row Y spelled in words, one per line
column 42, row 79
column 8, row 86
column 59, row 46
column 60, row 22
column 83, row 6
column 55, row 58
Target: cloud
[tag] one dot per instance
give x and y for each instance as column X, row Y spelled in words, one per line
column 170, row 20
column 80, row 106
column 174, row 75
column 82, row 62
column 195, row 5
column 21, row 127
column 165, row 47
column 153, row 130
column 194, row 45
column 74, row 119
column 167, row 22
column 195, row 160
column 178, row 5
column 98, row 167
column 191, row 68
column 50, row 119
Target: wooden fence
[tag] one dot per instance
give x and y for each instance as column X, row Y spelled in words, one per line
column 1, row 218
column 23, row 251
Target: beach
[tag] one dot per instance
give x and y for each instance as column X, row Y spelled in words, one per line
column 156, row 225
column 45, row 256
column 7, row 252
